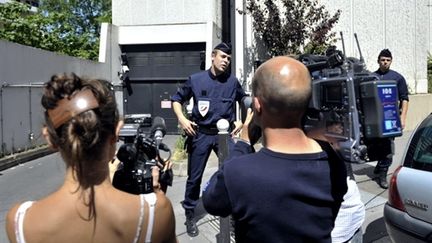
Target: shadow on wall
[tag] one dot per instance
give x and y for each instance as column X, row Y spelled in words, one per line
column 420, row 106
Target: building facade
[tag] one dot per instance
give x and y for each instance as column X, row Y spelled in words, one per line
column 162, row 43
column 399, row 25
column 167, row 40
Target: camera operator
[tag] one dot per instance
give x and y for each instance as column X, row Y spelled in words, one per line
column 290, row 190
column 385, row 73
column 137, row 158
column 123, row 177
column 215, row 93
column 82, row 123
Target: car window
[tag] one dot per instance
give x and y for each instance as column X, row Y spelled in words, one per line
column 419, row 154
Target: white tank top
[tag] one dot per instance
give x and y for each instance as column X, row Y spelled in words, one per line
column 149, row 198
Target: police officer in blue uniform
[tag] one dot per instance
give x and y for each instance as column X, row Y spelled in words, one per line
column 215, row 93
column 385, row 73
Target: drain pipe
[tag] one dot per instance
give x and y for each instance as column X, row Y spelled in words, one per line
column 31, row 133
column 228, row 25
column 1, row 121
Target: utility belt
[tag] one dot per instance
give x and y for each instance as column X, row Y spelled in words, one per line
column 205, row 129
column 212, row 129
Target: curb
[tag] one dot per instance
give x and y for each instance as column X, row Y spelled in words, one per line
column 20, row 158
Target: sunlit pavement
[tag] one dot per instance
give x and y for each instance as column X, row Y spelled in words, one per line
column 372, row 196
column 34, row 179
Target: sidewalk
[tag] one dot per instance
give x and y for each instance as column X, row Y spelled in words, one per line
column 23, row 157
column 208, row 225
column 372, row 196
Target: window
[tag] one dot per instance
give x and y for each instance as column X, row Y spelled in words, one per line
column 419, row 154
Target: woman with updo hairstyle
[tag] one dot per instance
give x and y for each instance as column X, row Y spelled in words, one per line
column 82, row 123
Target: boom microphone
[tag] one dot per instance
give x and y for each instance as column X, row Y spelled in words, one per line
column 158, row 129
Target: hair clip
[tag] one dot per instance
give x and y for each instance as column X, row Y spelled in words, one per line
column 69, row 107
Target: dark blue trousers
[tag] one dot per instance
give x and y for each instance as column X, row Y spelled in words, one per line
column 385, row 163
column 199, row 151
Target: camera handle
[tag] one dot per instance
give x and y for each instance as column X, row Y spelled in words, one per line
column 165, row 148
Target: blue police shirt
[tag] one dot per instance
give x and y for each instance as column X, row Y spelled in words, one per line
column 214, row 97
column 400, row 81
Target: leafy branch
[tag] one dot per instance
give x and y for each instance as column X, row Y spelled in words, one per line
column 70, row 27
column 292, row 26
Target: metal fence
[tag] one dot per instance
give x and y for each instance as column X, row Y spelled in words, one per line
column 21, row 117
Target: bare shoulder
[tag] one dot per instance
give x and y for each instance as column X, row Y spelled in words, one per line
column 10, row 222
column 163, row 201
column 164, row 221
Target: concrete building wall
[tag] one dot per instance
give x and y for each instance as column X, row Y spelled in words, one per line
column 420, row 106
column 150, row 22
column 21, row 64
column 23, row 70
column 109, row 54
column 168, row 21
column 402, row 26
column 164, row 12
column 428, row 28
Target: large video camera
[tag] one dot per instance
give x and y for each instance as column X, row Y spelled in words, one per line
column 350, row 107
column 134, row 174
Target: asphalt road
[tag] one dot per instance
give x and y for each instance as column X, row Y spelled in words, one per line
column 39, row 177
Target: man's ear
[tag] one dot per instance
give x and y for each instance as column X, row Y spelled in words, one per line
column 258, row 110
column 47, row 138
column 257, row 105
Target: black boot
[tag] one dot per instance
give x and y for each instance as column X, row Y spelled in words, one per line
column 376, row 170
column 191, row 227
column 382, row 177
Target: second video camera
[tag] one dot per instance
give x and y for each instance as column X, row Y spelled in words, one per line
column 350, row 107
column 134, row 174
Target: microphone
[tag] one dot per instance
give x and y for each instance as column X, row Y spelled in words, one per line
column 158, row 129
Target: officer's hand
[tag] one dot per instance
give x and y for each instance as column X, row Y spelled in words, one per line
column 188, row 126
column 238, row 127
column 402, row 119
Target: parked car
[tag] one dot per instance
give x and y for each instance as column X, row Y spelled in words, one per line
column 408, row 212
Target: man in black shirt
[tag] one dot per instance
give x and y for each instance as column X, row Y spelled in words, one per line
column 290, row 190
column 385, row 73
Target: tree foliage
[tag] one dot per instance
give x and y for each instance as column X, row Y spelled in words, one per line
column 70, row 27
column 292, row 26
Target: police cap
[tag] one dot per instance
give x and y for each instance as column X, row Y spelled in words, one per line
column 225, row 47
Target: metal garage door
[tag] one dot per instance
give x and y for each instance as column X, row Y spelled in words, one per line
column 156, row 71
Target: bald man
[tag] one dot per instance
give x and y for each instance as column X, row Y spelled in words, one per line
column 290, row 190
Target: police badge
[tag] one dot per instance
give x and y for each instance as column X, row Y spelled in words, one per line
column 203, row 107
